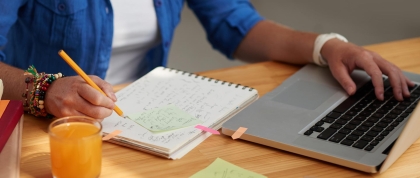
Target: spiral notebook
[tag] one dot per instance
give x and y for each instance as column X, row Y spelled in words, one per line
column 211, row 101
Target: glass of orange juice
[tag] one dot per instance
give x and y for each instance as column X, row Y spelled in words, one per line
column 76, row 147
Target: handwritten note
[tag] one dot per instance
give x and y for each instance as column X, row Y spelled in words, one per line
column 207, row 100
column 164, row 118
column 223, row 169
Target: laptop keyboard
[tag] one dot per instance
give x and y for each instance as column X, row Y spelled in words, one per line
column 362, row 121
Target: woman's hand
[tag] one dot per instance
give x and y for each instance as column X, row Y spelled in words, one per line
column 344, row 57
column 73, row 96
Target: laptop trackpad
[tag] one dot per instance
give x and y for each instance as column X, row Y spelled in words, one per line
column 305, row 94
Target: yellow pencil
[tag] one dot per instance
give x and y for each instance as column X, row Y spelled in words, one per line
column 85, row 77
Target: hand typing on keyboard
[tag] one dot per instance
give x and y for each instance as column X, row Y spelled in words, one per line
column 344, row 57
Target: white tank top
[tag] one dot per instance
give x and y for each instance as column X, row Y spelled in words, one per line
column 136, row 31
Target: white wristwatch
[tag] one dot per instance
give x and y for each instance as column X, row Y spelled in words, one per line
column 319, row 42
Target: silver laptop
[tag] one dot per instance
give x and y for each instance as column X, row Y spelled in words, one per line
column 310, row 114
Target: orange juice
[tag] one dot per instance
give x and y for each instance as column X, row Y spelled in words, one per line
column 76, row 150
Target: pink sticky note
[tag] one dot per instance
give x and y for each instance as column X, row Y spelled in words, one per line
column 207, row 129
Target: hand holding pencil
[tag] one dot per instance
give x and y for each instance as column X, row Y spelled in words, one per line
column 80, row 95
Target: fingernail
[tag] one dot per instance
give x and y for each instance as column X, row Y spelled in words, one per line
column 350, row 90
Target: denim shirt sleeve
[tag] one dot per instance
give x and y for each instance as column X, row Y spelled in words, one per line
column 225, row 22
column 8, row 16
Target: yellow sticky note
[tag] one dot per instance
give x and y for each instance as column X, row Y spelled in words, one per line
column 222, row 169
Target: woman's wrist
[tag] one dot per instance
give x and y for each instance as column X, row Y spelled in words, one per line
column 35, row 96
column 324, row 41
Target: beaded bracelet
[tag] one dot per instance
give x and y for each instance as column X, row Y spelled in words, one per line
column 28, row 80
column 41, row 82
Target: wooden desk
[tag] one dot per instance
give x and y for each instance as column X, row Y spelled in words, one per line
column 124, row 162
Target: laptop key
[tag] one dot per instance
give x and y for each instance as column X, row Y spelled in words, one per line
column 396, row 111
column 401, row 107
column 351, row 113
column 367, row 138
column 334, row 115
column 360, row 144
column 377, row 129
column 355, row 122
column 382, row 124
column 372, row 119
column 382, row 111
column 327, row 133
column 337, row 137
column 378, row 115
column 308, row 132
column 390, row 128
column 358, row 133
column 341, row 121
column 362, row 128
column 347, row 142
column 400, row 119
column 335, row 126
column 365, row 113
column 319, row 123
column 328, row 119
column 369, row 148
column 395, row 123
column 350, row 126
column 368, row 124
column 387, row 120
column 409, row 110
column 352, row 137
column 346, row 117
column 345, row 131
column 405, row 114
column 380, row 138
column 374, row 142
column 405, row 103
column 344, row 106
column 384, row 133
column 360, row 118
column 391, row 116
column 356, row 109
column 372, row 133
column 317, row 128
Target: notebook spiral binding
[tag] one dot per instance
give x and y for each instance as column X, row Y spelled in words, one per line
column 209, row 79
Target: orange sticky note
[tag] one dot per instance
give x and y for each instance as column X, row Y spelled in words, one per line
column 112, row 134
column 239, row 132
column 3, row 105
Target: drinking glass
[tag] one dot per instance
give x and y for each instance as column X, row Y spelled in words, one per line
column 76, row 147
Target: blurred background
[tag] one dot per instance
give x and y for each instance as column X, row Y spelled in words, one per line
column 361, row 22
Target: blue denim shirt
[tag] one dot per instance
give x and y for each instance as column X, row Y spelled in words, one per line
column 33, row 31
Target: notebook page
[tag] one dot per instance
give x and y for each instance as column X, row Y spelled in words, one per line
column 201, row 97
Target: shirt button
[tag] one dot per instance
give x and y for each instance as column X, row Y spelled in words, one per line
column 106, row 10
column 158, row 3
column 167, row 44
column 61, row 7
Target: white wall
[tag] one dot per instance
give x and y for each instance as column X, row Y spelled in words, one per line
column 362, row 22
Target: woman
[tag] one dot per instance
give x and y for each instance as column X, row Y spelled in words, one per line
column 31, row 33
